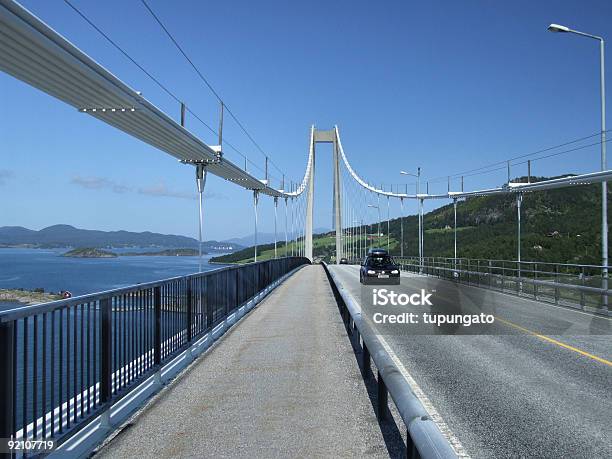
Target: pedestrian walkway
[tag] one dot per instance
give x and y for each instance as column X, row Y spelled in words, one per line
column 283, row 383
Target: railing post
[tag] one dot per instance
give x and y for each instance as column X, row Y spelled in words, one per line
column 556, row 284
column 365, row 360
column 157, row 351
column 490, row 274
column 7, row 336
column 468, row 270
column 227, row 295
column 535, row 278
column 106, row 350
column 411, row 451
column 582, row 300
column 237, row 292
column 207, row 306
column 189, row 310
column 383, row 399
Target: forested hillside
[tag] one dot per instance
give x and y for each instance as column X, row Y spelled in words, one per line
column 557, row 226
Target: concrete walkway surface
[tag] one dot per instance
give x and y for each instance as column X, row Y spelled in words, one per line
column 283, row 383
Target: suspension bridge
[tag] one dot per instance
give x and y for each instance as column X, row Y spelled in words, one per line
column 278, row 375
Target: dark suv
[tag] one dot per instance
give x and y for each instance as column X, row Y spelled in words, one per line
column 379, row 268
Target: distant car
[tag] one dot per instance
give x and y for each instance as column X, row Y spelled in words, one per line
column 343, row 261
column 379, row 268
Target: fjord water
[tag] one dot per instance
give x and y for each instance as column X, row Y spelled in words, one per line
column 46, row 268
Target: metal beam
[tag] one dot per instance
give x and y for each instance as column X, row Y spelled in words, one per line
column 34, row 53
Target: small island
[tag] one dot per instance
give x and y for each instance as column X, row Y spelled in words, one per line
column 89, row 253
column 29, row 297
column 165, row 253
column 92, row 252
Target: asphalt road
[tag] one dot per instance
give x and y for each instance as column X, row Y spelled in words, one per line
column 510, row 393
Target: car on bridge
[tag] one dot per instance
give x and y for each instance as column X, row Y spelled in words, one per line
column 379, row 268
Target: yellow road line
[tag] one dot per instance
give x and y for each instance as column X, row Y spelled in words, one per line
column 558, row 343
column 552, row 340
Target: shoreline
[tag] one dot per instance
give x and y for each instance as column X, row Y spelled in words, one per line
column 27, row 297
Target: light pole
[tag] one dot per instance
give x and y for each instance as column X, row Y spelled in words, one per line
column 418, row 177
column 376, row 207
column 604, row 165
column 357, row 243
column 402, row 228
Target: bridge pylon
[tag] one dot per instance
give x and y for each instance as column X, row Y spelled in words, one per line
column 324, row 136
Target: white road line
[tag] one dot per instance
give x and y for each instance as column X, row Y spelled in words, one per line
column 435, row 415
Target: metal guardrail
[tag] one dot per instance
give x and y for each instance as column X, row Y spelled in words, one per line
column 566, row 284
column 66, row 362
column 424, row 439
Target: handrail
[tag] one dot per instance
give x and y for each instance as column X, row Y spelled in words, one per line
column 459, row 270
column 28, row 310
column 528, row 280
column 500, row 260
column 67, row 362
column 424, row 438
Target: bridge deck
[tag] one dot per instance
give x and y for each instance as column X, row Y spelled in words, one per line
column 284, row 383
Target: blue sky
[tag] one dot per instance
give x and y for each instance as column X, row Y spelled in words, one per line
column 448, row 86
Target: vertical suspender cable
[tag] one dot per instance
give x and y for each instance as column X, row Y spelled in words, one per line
column 388, row 223
column 286, row 236
column 275, row 232
column 292, row 227
column 255, row 202
column 201, row 182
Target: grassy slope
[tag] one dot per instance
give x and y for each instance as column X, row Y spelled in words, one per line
column 324, row 246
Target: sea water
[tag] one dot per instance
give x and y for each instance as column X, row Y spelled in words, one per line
column 47, row 269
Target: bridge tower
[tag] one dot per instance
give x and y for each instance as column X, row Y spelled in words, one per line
column 324, row 136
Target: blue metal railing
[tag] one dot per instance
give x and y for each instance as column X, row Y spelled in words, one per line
column 66, row 362
column 567, row 284
column 424, row 439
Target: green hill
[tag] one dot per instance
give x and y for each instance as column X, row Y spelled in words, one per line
column 561, row 225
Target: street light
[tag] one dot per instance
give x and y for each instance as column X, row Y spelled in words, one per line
column 359, row 240
column 376, row 207
column 604, row 165
column 558, row 28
